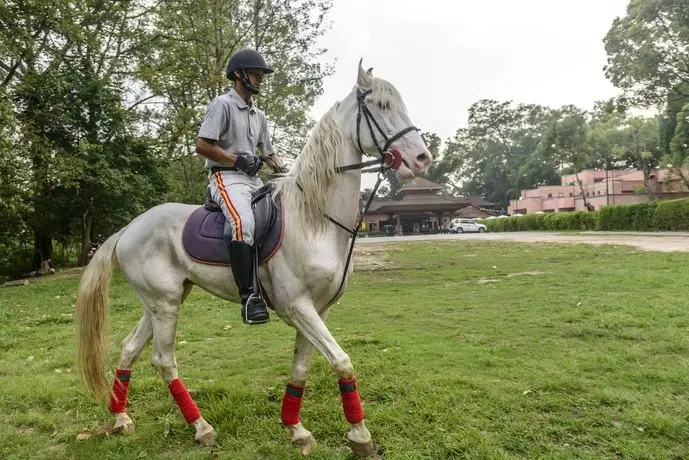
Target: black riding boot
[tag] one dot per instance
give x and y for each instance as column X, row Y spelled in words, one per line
column 254, row 310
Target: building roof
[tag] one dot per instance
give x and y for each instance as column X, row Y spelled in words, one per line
column 424, row 204
column 480, row 202
column 420, row 183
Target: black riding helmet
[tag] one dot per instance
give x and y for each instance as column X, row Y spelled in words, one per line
column 243, row 60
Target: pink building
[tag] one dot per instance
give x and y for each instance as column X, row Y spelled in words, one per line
column 601, row 188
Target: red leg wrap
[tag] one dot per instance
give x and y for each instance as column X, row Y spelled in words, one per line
column 291, row 403
column 351, row 403
column 120, row 387
column 183, row 399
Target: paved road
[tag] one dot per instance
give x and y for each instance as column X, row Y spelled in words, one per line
column 656, row 241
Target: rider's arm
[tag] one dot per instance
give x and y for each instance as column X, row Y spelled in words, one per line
column 215, row 122
column 209, row 148
column 266, row 147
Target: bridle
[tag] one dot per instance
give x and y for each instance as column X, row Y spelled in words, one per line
column 389, row 159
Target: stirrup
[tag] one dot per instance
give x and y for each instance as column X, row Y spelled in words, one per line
column 253, row 303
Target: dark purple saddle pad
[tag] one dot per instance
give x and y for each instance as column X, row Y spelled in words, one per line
column 202, row 236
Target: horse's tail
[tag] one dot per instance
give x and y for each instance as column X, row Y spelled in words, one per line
column 91, row 316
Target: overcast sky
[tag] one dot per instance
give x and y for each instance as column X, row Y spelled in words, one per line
column 444, row 55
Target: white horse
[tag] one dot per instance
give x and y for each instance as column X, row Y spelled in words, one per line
column 302, row 279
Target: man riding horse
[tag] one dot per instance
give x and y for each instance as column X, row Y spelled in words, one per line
column 233, row 127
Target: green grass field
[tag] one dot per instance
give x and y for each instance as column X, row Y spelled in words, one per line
column 462, row 350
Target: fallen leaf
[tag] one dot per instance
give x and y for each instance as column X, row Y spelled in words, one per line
column 526, row 392
column 106, row 429
column 26, row 430
column 83, row 435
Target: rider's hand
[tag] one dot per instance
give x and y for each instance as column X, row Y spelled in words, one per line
column 250, row 164
column 276, row 163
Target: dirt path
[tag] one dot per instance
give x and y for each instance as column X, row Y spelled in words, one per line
column 662, row 242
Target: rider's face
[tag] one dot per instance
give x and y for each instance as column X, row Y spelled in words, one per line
column 255, row 78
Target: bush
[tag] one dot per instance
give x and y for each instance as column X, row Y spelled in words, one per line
column 589, row 220
column 552, row 222
column 637, row 217
column 670, row 215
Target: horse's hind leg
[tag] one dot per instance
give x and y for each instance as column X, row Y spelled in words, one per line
column 131, row 349
column 132, row 346
column 291, row 401
column 164, row 322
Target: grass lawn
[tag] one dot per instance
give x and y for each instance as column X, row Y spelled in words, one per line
column 462, row 350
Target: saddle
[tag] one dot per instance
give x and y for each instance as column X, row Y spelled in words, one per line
column 202, row 236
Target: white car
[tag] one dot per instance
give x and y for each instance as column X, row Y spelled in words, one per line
column 466, row 225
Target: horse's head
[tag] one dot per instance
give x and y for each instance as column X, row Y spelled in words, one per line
column 383, row 127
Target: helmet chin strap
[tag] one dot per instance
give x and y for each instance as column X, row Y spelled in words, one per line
column 247, row 83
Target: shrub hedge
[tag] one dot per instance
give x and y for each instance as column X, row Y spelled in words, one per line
column 670, row 215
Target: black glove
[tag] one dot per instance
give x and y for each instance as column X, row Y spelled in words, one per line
column 250, row 164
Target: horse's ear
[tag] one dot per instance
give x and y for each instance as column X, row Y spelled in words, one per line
column 365, row 78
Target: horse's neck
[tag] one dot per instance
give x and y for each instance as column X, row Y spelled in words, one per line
column 343, row 193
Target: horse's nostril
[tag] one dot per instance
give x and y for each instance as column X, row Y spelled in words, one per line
column 423, row 158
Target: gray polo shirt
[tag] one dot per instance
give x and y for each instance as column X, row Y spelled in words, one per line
column 236, row 126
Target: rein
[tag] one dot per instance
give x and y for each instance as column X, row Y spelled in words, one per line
column 388, row 160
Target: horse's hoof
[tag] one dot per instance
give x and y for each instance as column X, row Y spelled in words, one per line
column 362, row 450
column 123, row 429
column 205, row 433
column 305, row 444
column 301, row 437
column 123, row 424
column 207, row 439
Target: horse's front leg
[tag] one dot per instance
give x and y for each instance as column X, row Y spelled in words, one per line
column 313, row 328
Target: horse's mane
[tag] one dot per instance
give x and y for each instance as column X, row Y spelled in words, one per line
column 305, row 189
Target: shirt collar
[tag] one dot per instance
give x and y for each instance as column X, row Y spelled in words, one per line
column 241, row 103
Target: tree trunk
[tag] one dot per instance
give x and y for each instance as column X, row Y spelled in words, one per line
column 684, row 178
column 86, row 227
column 43, row 248
column 583, row 195
column 647, row 181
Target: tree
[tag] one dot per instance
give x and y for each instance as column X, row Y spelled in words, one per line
column 68, row 78
column 567, row 140
column 678, row 159
column 89, row 171
column 486, row 156
column 443, row 164
column 197, row 39
column 647, row 51
column 641, row 149
column 15, row 237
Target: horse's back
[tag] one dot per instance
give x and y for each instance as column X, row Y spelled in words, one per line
column 155, row 233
